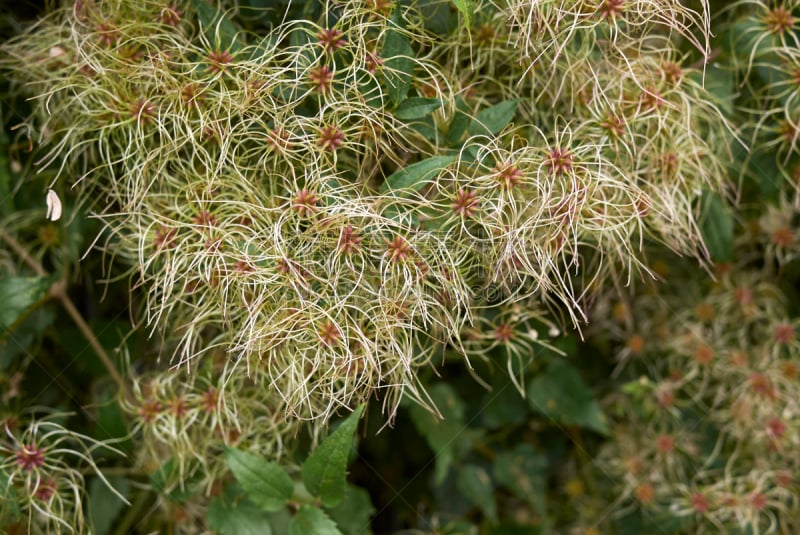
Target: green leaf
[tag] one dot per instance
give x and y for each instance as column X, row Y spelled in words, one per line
column 716, row 226
column 459, row 123
column 449, row 438
column 416, row 108
column 522, row 471
column 233, row 514
column 300, row 38
column 265, row 483
column 9, row 502
column 767, row 174
column 353, row 514
column 560, row 393
column 111, row 423
column 474, row 483
column 503, row 404
column 415, row 176
column 493, row 119
column 105, row 506
column 160, row 478
column 750, row 45
column 398, row 62
column 719, row 82
column 325, row 471
column 218, row 28
column 436, row 16
column 279, row 520
column 26, row 332
column 19, row 296
column 310, row 520
column 469, row 153
column 467, row 8
column 426, row 127
column 745, row 39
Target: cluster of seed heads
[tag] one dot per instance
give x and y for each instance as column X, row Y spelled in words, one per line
column 43, row 466
column 244, row 178
column 189, row 419
column 708, row 430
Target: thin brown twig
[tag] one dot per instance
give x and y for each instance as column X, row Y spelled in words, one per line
column 23, row 253
column 58, row 291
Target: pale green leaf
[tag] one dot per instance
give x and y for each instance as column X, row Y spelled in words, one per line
column 353, row 514
column 266, row 484
column 466, row 8
column 233, row 514
column 325, row 470
column 417, row 108
column 104, row 505
column 716, row 226
column 398, row 62
column 521, row 470
column 310, row 520
column 459, row 124
column 493, row 119
column 9, row 501
column 476, row 485
column 219, row 29
column 561, row 394
column 415, row 176
column 448, row 437
column 20, row 295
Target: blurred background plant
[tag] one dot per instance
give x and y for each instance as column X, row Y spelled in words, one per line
column 545, row 250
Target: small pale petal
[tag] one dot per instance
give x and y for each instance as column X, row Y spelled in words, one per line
column 53, row 206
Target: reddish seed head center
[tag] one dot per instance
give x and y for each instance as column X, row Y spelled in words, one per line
column 330, row 334
column 398, row 250
column 503, row 333
column 465, row 203
column 205, row 219
column 349, row 240
column 331, row 39
column 372, row 62
column 321, row 78
column 611, row 9
column 30, row 457
column 784, row 333
column 171, row 16
column 330, row 138
column 665, row 443
column 508, row 174
column 219, row 60
column 559, row 161
column 305, row 203
column 143, row 111
column 700, row 503
column 210, row 398
column 779, row 20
